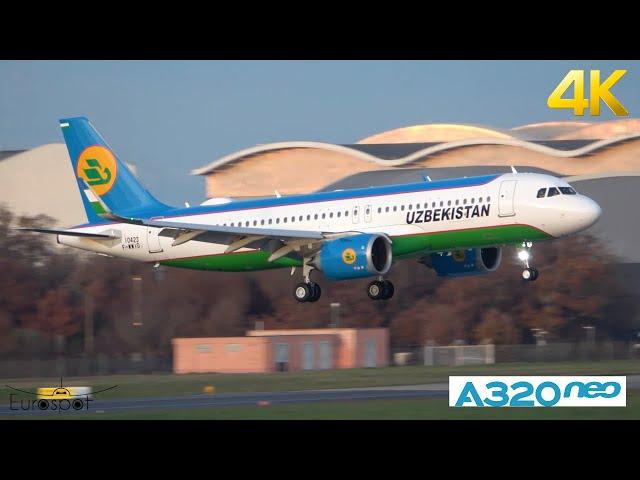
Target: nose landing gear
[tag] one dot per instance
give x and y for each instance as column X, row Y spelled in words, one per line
column 529, row 274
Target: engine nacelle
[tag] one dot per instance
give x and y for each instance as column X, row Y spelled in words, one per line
column 459, row 263
column 357, row 256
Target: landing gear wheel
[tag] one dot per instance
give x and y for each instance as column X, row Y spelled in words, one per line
column 375, row 290
column 387, row 290
column 303, row 292
column 316, row 292
column 530, row 274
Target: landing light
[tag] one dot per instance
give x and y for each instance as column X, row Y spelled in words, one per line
column 523, row 255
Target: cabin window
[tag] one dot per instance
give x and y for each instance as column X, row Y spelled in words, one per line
column 457, row 202
column 473, row 200
column 553, row 191
column 277, row 220
column 541, row 193
column 402, row 207
column 464, row 201
column 410, row 207
column 346, row 213
column 433, row 205
column 417, row 206
column 426, row 205
column 479, row 199
column 293, row 219
column 308, row 217
column 270, row 221
column 246, row 224
column 255, row 222
column 379, row 209
column 449, row 203
column 488, row 199
column 284, row 220
column 261, row 222
column 323, row 216
column 386, row 209
column 442, row 204
column 339, row 213
column 395, row 209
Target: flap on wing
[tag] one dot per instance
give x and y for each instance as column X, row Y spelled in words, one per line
column 69, row 233
column 262, row 232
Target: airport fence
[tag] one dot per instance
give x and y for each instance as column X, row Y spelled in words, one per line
column 84, row 366
column 452, row 355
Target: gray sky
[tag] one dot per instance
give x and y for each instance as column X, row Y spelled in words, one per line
column 169, row 117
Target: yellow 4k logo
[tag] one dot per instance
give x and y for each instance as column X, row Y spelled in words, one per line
column 597, row 91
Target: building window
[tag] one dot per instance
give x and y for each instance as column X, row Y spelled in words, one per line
column 233, row 347
column 203, row 348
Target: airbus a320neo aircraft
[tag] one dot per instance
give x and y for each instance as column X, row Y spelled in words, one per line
column 456, row 227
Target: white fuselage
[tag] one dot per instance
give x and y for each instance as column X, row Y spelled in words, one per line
column 511, row 200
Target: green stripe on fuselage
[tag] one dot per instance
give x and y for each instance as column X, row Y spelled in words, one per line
column 404, row 246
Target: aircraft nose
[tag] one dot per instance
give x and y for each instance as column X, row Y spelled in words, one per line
column 589, row 212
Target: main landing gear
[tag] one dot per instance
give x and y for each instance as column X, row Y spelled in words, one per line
column 380, row 290
column 306, row 291
column 529, row 274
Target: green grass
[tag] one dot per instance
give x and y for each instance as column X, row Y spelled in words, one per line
column 418, row 409
column 165, row 384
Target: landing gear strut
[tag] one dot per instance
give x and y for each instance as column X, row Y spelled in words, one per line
column 529, row 274
column 307, row 291
column 380, row 290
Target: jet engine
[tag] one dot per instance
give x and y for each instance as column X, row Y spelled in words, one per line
column 459, row 263
column 356, row 256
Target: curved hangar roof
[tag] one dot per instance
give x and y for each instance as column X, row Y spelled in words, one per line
column 399, row 155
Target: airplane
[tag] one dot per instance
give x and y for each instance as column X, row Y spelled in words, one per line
column 457, row 227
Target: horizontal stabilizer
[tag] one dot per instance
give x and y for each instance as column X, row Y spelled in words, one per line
column 69, row 233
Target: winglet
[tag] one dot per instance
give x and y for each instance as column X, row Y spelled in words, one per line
column 513, row 169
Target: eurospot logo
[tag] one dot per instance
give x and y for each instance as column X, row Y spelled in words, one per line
column 97, row 166
column 349, row 256
column 537, row 391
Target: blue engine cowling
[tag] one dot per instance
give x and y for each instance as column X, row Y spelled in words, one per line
column 459, row 263
column 357, row 256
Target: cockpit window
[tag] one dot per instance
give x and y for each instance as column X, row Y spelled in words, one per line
column 567, row 190
column 541, row 192
column 553, row 191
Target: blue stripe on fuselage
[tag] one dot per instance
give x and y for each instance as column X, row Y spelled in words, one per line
column 330, row 196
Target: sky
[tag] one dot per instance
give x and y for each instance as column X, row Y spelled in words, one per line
column 169, row 117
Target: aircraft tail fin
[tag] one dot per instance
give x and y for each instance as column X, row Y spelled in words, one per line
column 105, row 182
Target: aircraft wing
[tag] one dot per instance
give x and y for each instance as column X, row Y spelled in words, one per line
column 277, row 242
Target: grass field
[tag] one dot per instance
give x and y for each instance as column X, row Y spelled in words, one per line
column 418, row 409
column 129, row 386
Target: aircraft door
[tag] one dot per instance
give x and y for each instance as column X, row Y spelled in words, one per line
column 153, row 240
column 355, row 214
column 367, row 213
column 506, row 198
